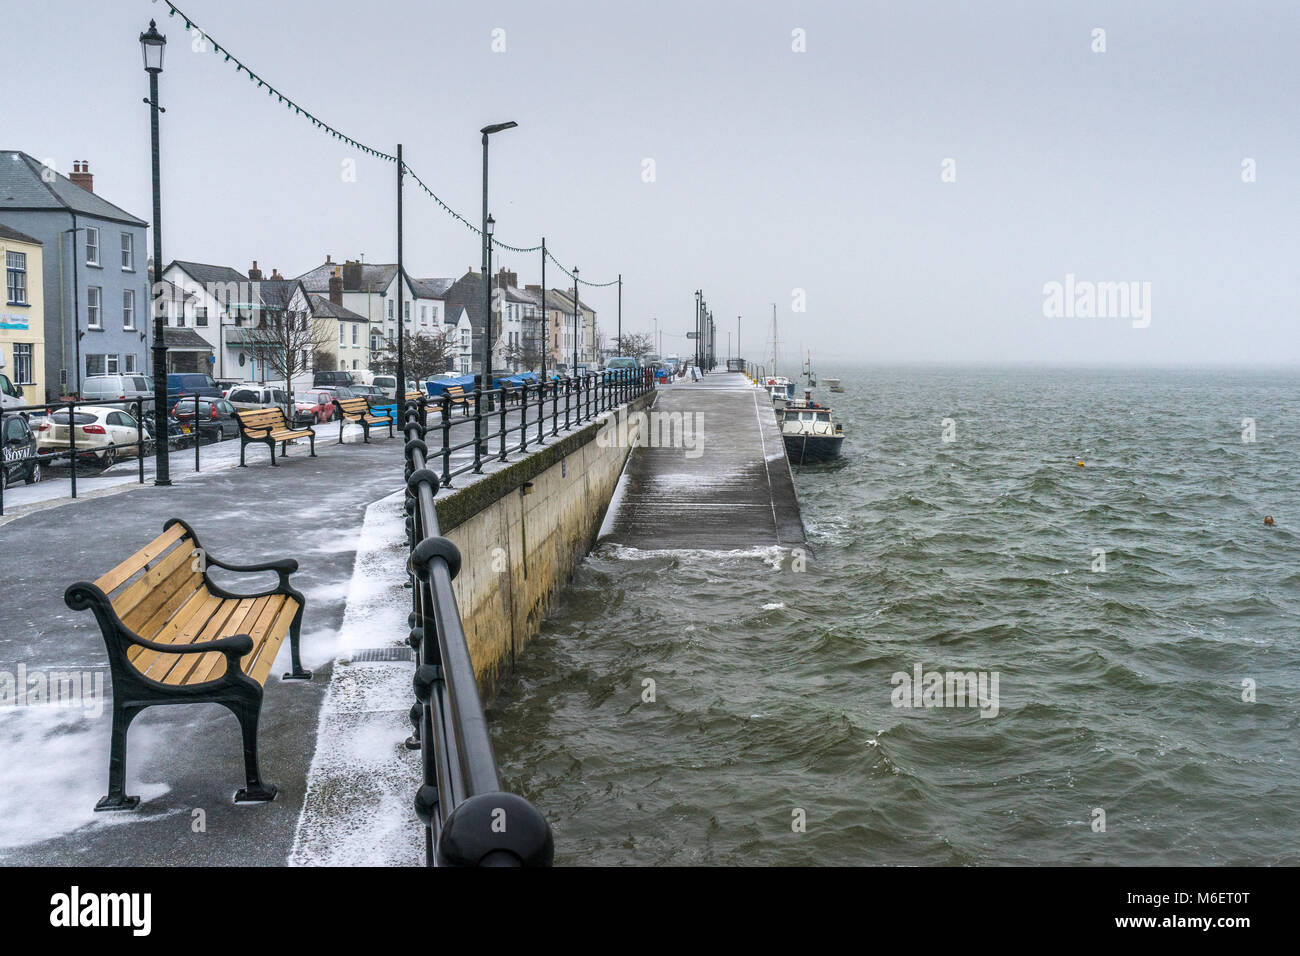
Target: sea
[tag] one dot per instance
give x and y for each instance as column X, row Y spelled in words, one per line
column 1085, row 549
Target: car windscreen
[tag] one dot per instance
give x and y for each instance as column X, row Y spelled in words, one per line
column 80, row 418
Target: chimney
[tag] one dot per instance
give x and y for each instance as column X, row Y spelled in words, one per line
column 352, row 275
column 255, row 274
column 336, row 287
column 328, row 261
column 81, row 176
column 275, row 274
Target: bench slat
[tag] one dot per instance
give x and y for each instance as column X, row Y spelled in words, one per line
column 180, row 669
column 143, row 587
column 115, row 578
column 184, row 628
column 212, row 664
column 261, row 632
column 275, row 635
column 170, row 616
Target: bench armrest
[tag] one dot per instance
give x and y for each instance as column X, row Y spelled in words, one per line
column 283, row 567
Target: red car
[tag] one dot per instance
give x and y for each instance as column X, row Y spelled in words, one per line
column 315, row 403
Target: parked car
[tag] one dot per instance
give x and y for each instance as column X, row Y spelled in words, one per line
column 127, row 388
column 226, row 384
column 314, row 405
column 371, row 392
column 189, row 383
column 104, row 433
column 336, row 392
column 260, row 396
column 386, row 383
column 622, row 361
column 216, row 421
column 331, row 378
column 19, row 451
column 11, row 395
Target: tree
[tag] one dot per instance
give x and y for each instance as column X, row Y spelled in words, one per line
column 288, row 343
column 527, row 355
column 635, row 345
column 425, row 354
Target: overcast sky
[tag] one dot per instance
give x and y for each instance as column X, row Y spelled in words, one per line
column 774, row 170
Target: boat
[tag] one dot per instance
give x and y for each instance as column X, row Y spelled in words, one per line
column 833, row 384
column 809, row 374
column 810, row 432
column 780, row 389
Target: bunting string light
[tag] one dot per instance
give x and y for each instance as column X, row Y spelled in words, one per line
column 296, row 108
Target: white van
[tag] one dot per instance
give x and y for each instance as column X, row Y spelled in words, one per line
column 99, row 388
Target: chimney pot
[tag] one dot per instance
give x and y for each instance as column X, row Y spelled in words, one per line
column 336, row 288
column 81, row 176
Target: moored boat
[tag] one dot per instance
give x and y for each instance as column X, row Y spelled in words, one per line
column 833, row 384
column 810, row 433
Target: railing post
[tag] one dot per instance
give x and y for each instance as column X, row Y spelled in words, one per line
column 446, row 440
column 198, row 434
column 523, row 422
column 502, row 396
column 555, row 409
column 568, row 401
column 541, row 408
column 72, row 443
column 478, row 425
column 139, row 436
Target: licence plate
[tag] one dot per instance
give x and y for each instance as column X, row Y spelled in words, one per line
column 185, row 429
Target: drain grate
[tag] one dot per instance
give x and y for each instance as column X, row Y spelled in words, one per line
column 395, row 653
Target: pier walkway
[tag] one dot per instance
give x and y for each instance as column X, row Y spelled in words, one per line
column 729, row 488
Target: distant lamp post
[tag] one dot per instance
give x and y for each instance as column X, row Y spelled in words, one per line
column 575, row 320
column 487, row 252
column 152, row 46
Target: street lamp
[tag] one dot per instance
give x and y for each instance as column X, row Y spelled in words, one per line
column 152, row 46
column 575, row 320
column 487, row 264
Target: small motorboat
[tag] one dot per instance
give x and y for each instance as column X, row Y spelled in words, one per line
column 833, row 384
column 810, row 433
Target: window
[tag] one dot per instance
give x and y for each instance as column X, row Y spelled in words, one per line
column 128, row 310
column 343, row 335
column 16, row 264
column 128, row 364
column 354, row 333
column 112, row 366
column 200, row 318
column 93, row 319
column 424, row 315
column 142, row 384
column 128, row 252
column 22, row 364
column 390, row 310
column 464, row 338
column 95, row 364
column 354, row 363
column 180, row 316
column 92, row 246
column 406, row 312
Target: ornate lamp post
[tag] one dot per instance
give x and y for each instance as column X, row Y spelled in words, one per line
column 152, row 46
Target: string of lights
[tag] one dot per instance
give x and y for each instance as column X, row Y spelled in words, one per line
column 299, row 110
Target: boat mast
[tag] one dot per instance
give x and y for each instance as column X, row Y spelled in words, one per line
column 774, row 340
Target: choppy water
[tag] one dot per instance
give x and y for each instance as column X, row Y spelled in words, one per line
column 1119, row 690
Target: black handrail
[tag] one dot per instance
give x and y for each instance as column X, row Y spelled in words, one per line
column 468, row 820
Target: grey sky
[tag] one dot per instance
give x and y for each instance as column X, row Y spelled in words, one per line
column 776, row 170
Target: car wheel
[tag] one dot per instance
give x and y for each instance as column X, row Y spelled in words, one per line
column 35, row 474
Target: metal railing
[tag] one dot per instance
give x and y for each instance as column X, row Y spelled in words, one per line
column 543, row 410
column 468, row 819
column 94, row 458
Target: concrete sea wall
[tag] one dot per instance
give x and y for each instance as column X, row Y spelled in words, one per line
column 521, row 533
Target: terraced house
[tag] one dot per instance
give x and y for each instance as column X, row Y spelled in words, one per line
column 22, row 320
column 93, row 276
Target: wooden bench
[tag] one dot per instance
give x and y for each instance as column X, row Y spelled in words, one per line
column 266, row 426
column 458, row 397
column 358, row 410
column 176, row 637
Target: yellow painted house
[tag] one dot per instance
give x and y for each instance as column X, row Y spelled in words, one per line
column 22, row 318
